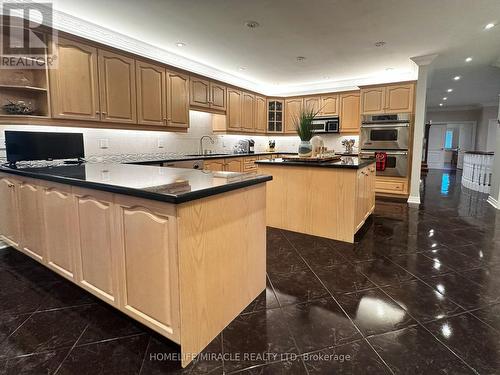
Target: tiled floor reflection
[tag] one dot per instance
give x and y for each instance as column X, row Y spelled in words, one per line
column 418, row 293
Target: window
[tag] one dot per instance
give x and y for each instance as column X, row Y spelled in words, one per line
column 448, row 139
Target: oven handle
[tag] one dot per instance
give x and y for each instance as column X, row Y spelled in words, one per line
column 387, row 152
column 385, row 127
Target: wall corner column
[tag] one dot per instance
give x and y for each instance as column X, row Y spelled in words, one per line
column 423, row 63
column 494, row 198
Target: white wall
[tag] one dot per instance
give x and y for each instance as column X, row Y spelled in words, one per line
column 148, row 142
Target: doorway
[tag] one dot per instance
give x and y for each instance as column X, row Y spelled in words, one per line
column 448, row 143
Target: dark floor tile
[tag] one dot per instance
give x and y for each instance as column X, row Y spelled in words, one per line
column 462, row 291
column 11, row 258
column 63, row 294
column 319, row 324
column 360, row 252
column 422, row 302
column 265, row 300
column 107, row 323
column 41, row 363
column 415, row 351
column 9, row 323
column 123, row 356
column 452, row 259
column 288, row 367
column 474, row 341
column 489, row 315
column 479, row 254
column 46, row 331
column 420, row 265
column 354, row 358
column 374, row 312
column 283, row 258
column 36, row 275
column 256, row 339
column 163, row 357
column 383, row 272
column 296, row 287
column 344, row 278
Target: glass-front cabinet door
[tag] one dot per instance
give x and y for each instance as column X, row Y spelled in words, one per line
column 275, row 116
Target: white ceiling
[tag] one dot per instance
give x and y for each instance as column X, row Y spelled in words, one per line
column 336, row 36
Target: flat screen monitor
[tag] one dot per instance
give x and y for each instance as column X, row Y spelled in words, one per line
column 23, row 146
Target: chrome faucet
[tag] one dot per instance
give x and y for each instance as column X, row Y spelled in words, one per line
column 202, row 152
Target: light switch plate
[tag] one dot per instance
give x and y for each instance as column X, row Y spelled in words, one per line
column 104, row 143
column 161, row 143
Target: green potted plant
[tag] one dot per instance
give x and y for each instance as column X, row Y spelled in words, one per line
column 304, row 128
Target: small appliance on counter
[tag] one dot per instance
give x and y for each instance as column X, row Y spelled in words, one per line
column 245, row 146
column 272, row 145
column 251, row 146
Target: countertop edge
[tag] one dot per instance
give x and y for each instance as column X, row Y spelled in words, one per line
column 315, row 165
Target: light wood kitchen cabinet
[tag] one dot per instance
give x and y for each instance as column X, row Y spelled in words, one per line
column 247, row 111
column 392, row 98
column 74, row 83
column 234, row 104
column 148, row 263
column 58, row 229
column 275, row 115
column 330, row 105
column 313, row 103
column 117, row 87
column 365, row 202
column 349, row 113
column 177, row 100
column 94, row 243
column 260, row 114
column 207, row 94
column 31, row 220
column 151, row 94
column 293, row 107
column 216, row 165
column 233, row 165
column 9, row 217
column 394, row 186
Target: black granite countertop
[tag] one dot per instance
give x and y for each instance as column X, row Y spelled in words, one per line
column 480, row 152
column 348, row 162
column 174, row 158
column 172, row 185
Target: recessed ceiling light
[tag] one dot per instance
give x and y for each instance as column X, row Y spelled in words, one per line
column 445, row 98
column 180, row 44
column 242, row 68
column 441, row 104
column 489, row 26
column 468, row 59
column 252, row 24
column 300, row 58
column 389, row 69
column 457, row 78
column 380, row 43
column 449, row 90
column 326, row 77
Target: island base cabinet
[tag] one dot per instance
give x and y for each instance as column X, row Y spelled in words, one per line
column 184, row 270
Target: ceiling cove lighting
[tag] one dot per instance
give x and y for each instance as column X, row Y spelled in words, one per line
column 449, row 90
column 489, row 26
column 457, row 78
column 180, row 44
column 468, row 59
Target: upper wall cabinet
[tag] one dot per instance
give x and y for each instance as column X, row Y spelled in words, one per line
column 117, row 87
column 275, row 110
column 177, row 100
column 74, row 83
column 313, row 103
column 247, row 111
column 151, row 94
column 330, row 105
column 207, row 94
column 260, row 114
column 349, row 112
column 234, row 102
column 293, row 107
column 392, row 98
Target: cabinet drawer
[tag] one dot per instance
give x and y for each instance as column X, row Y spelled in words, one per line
column 390, row 186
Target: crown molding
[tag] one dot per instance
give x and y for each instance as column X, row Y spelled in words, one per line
column 423, row 60
column 88, row 30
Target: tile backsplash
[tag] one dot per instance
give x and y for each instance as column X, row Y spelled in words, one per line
column 113, row 142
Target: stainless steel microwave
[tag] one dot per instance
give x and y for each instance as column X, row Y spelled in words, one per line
column 326, row 125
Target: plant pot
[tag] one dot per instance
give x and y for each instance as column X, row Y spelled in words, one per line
column 305, row 149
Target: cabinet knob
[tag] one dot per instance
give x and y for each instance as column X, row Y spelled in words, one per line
column 97, row 112
column 104, row 113
column 11, row 185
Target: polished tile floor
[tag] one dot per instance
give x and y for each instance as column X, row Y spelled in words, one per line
column 418, row 293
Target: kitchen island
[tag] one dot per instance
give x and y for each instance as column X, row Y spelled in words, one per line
column 182, row 251
column 327, row 199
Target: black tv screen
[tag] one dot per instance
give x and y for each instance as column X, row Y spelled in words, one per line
column 43, row 146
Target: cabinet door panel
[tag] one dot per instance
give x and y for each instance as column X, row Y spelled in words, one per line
column 330, row 105
column 9, row 219
column 149, row 264
column 59, row 230
column 399, row 98
column 293, row 107
column 151, row 94
column 247, row 112
column 312, row 104
column 74, row 83
column 349, row 113
column 260, row 114
column 94, row 250
column 200, row 92
column 178, row 100
column 117, row 87
column 234, row 109
column 233, row 165
column 31, row 219
column 373, row 100
column 218, row 96
column 214, row 165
